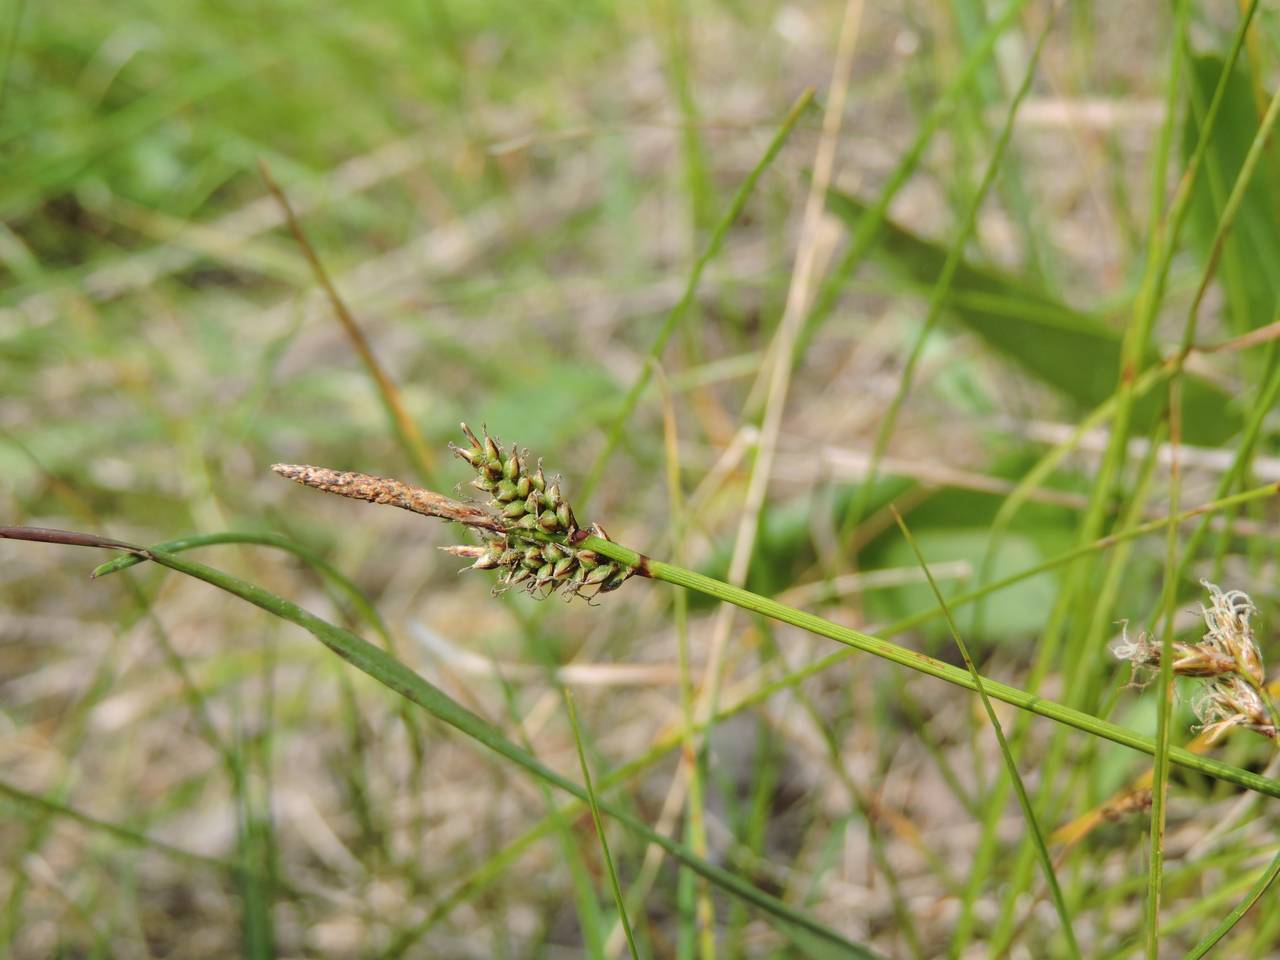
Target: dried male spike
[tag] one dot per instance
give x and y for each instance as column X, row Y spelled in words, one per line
column 364, row 486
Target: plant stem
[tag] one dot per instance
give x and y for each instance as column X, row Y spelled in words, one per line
column 923, row 663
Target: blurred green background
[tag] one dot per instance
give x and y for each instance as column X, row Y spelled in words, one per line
column 510, row 198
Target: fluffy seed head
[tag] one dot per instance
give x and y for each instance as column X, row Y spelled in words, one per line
column 1227, row 658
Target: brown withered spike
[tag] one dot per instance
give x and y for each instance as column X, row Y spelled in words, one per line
column 364, row 486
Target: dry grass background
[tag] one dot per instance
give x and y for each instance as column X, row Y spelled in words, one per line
column 510, row 197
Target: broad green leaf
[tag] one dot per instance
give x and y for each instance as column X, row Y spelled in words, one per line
column 1021, row 609
column 784, row 547
column 1249, row 271
column 1072, row 351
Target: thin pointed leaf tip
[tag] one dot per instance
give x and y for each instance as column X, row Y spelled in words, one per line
column 527, row 527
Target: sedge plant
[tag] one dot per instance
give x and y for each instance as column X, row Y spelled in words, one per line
column 527, row 534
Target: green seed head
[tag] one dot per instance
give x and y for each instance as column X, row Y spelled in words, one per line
column 529, row 507
column 564, row 513
column 512, row 467
column 600, row 574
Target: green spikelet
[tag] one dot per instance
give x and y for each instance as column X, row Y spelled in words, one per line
column 529, row 503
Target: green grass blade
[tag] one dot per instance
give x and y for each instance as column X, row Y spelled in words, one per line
column 322, row 566
column 955, row 255
column 676, row 314
column 1164, row 709
column 403, row 426
column 1263, row 884
column 618, row 900
column 1074, row 352
column 1162, row 245
column 868, row 226
column 1251, row 277
column 590, row 918
column 1011, row 765
column 384, row 668
column 473, row 883
column 1256, row 230
column 134, row 838
column 693, row 900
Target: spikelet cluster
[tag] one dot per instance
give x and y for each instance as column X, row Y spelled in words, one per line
column 530, row 503
column 1227, row 658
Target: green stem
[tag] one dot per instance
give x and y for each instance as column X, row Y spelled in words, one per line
column 1255, row 893
column 599, row 825
column 1024, row 801
column 923, row 663
column 676, row 314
